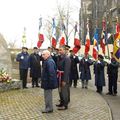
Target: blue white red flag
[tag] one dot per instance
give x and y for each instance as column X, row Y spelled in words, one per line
column 95, row 45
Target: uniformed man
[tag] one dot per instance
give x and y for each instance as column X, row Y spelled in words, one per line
column 99, row 74
column 85, row 73
column 35, row 67
column 23, row 59
column 63, row 65
column 112, row 71
column 73, row 69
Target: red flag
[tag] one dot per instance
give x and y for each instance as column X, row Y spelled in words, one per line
column 87, row 43
column 40, row 41
column 117, row 27
column 77, row 44
column 62, row 39
column 102, row 42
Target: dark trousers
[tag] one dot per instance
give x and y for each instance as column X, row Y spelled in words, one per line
column 23, row 77
column 64, row 94
column 75, row 82
column 34, row 81
column 112, row 84
column 99, row 89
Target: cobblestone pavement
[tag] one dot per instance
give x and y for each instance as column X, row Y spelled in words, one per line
column 27, row 104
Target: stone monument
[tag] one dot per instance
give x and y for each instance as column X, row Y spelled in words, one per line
column 5, row 58
column 6, row 64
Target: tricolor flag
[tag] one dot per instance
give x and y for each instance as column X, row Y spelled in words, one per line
column 116, row 45
column 54, row 42
column 102, row 41
column 77, row 44
column 103, row 36
column 40, row 35
column 87, row 43
column 62, row 40
column 95, row 45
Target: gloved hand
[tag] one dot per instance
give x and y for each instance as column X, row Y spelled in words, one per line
column 22, row 57
column 98, row 61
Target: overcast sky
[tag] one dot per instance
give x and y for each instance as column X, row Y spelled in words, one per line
column 17, row 14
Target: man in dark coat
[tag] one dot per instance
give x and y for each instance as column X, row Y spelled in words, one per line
column 73, row 69
column 48, row 80
column 84, row 68
column 99, row 74
column 112, row 71
column 23, row 59
column 35, row 67
column 63, row 65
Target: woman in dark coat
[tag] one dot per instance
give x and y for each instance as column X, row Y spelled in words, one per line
column 84, row 68
column 99, row 74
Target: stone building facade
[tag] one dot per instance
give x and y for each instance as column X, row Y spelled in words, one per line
column 95, row 10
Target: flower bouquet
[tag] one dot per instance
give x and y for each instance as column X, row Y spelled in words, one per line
column 4, row 77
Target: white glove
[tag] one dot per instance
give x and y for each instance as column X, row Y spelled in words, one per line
column 52, row 54
column 109, row 61
column 22, row 57
column 98, row 61
column 73, row 56
column 86, row 60
column 39, row 53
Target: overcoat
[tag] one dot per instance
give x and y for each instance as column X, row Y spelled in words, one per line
column 84, row 68
column 73, row 68
column 99, row 73
column 35, row 66
column 49, row 75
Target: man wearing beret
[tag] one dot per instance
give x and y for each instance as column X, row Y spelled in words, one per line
column 23, row 59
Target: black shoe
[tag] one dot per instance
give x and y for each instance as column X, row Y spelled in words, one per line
column 37, row 86
column 44, row 111
column 109, row 93
column 86, row 87
column 59, row 105
column 115, row 94
column 25, row 87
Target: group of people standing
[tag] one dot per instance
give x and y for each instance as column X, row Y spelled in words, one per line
column 60, row 70
column 31, row 62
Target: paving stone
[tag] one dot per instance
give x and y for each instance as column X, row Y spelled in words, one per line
column 27, row 104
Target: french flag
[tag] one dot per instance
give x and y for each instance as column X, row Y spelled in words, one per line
column 62, row 40
column 77, row 44
column 40, row 34
column 102, row 42
column 87, row 43
column 95, row 45
column 54, row 42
